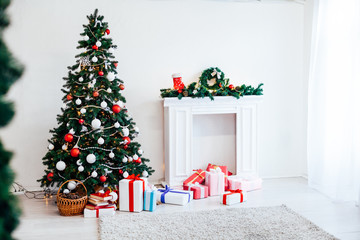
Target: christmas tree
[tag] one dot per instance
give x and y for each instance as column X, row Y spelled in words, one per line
column 94, row 140
column 10, row 71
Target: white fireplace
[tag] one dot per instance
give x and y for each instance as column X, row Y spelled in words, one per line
column 178, row 130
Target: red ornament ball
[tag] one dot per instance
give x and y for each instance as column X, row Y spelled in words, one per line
column 101, row 73
column 122, row 86
column 231, row 87
column 179, row 91
column 116, row 108
column 50, row 176
column 127, row 140
column 69, row 97
column 115, row 64
column 107, row 31
column 95, row 47
column 81, row 121
column 75, row 152
column 220, row 85
column 121, row 171
column 102, row 178
column 138, row 160
column 69, row 137
column 126, row 146
column 95, row 94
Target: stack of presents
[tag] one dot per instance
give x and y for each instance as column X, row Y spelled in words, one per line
column 136, row 194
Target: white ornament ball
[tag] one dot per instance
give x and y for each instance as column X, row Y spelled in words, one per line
column 81, row 79
column 111, row 76
column 103, row 104
column 125, row 174
column 116, row 125
column 94, row 59
column 114, row 196
column 83, row 110
column 60, row 165
column 78, row 101
column 98, row 43
column 51, row 146
column 136, row 129
column 111, row 155
column 64, row 147
column 120, row 103
column 80, row 168
column 100, row 141
column 130, row 159
column 145, row 173
column 66, row 191
column 68, row 124
column 135, row 157
column 140, row 151
column 71, row 185
column 109, row 90
column 91, row 158
column 94, row 174
column 111, row 50
column 96, row 123
column 125, row 132
column 86, row 38
column 78, row 162
column 124, row 160
column 72, row 131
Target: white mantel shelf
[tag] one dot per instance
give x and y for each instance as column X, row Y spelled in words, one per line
column 178, row 130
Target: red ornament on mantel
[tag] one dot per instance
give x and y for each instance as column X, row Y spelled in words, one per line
column 101, row 73
column 95, row 94
column 81, row 121
column 75, row 152
column 95, row 47
column 107, row 31
column 178, row 84
column 231, row 87
column 179, row 91
column 102, row 178
column 116, row 108
column 122, row 86
column 69, row 137
column 50, row 176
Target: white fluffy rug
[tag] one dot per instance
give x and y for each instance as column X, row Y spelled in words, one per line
column 231, row 223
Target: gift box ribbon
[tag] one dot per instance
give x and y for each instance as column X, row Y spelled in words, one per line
column 133, row 178
column 167, row 190
column 232, row 192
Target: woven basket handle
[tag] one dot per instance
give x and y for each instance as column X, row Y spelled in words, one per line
column 75, row 180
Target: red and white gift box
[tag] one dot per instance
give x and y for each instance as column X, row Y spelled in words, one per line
column 223, row 169
column 232, row 197
column 214, row 179
column 248, row 183
column 100, row 211
column 197, row 177
column 200, row 191
column 131, row 194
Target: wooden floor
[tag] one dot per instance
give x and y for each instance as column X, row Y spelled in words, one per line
column 41, row 220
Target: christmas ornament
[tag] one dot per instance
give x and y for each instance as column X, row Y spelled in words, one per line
column 102, row 178
column 111, row 76
column 120, row 103
column 125, row 147
column 117, row 125
column 86, row 38
column 103, row 104
column 127, row 140
column 66, row 191
column 78, row 162
column 91, row 158
column 231, row 87
column 100, row 141
column 111, row 155
column 69, row 97
column 130, row 159
column 114, row 196
column 60, row 165
column 115, row 64
column 50, row 176
column 138, row 160
column 78, row 101
column 83, row 110
column 179, row 91
column 75, row 152
column 64, row 147
column 94, row 59
column 125, row 132
column 124, row 160
column 116, row 108
column 107, row 31
column 109, row 90
column 98, row 43
column 135, row 157
column 101, row 73
column 95, row 94
column 145, row 173
column 140, row 151
column 111, row 50
column 51, row 146
column 80, row 168
column 81, row 79
column 178, row 84
column 81, row 121
column 71, row 185
column 94, row 174
column 69, row 137
column 136, row 129
column 125, row 174
column 95, row 47
column 121, row 171
column 122, row 86
column 96, row 123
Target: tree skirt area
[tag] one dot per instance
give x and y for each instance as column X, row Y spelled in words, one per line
column 278, row 222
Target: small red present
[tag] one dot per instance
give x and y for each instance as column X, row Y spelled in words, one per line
column 198, row 176
column 223, row 169
column 200, row 191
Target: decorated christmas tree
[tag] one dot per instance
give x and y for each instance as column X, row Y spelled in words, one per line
column 94, row 140
column 10, row 71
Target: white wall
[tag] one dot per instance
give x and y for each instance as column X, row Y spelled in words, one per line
column 251, row 42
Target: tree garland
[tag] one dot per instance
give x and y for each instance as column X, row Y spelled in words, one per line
column 212, row 82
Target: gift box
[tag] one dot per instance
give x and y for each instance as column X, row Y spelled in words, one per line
column 214, row 179
column 99, row 211
column 172, row 196
column 150, row 199
column 199, row 191
column 197, row 177
column 232, row 197
column 245, row 184
column 131, row 191
column 223, row 169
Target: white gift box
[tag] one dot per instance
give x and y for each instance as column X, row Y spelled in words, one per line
column 131, row 202
column 215, row 181
column 101, row 211
column 229, row 198
column 174, row 196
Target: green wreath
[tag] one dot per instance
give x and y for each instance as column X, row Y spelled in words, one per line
column 212, row 78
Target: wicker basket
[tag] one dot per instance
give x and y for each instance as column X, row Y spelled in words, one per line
column 71, row 207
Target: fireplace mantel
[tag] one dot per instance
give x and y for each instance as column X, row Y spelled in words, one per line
column 178, row 130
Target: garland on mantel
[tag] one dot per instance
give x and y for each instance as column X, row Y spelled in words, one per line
column 212, row 82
